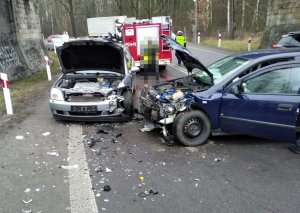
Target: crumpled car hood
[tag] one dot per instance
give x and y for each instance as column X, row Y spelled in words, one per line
column 189, row 61
column 91, row 55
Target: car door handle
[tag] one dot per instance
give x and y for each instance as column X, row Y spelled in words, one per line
column 285, row 107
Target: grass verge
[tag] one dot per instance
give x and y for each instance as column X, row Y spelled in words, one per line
column 233, row 45
column 25, row 90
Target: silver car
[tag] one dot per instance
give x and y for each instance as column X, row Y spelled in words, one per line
column 97, row 83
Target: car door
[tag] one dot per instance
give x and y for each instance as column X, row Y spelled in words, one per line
column 266, row 105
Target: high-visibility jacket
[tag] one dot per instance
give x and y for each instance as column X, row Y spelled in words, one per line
column 180, row 39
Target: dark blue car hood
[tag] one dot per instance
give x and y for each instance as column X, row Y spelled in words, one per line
column 189, row 61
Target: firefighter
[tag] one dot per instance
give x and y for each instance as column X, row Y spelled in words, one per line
column 180, row 39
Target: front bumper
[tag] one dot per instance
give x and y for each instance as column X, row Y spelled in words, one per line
column 87, row 111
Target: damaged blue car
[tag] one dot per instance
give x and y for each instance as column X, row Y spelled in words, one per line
column 253, row 93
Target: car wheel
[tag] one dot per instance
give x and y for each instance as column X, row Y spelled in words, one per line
column 128, row 103
column 191, row 128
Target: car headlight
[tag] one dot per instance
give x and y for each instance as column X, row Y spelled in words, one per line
column 168, row 110
column 56, row 94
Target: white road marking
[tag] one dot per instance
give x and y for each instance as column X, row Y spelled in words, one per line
column 81, row 195
column 207, row 51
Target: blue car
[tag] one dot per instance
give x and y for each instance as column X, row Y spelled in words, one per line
column 252, row 93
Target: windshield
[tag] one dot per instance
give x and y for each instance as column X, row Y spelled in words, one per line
column 224, row 67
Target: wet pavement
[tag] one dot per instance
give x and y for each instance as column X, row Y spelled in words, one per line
column 227, row 174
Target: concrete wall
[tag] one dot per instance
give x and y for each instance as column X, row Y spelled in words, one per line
column 21, row 44
column 283, row 17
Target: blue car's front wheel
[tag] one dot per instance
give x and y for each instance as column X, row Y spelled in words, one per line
column 191, row 128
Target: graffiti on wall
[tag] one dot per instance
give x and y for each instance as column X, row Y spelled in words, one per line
column 9, row 57
column 33, row 54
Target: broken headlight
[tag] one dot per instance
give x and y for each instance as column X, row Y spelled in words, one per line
column 168, row 110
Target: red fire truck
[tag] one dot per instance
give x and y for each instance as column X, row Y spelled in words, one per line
column 139, row 31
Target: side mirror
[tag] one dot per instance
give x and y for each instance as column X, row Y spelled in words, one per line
column 235, row 90
column 134, row 69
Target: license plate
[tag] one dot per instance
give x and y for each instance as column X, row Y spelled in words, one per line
column 83, row 108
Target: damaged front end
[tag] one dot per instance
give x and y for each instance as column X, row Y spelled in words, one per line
column 162, row 103
column 89, row 98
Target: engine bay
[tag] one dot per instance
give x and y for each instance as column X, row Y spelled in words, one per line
column 89, row 88
column 174, row 90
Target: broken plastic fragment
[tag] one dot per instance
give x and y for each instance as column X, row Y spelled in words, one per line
column 46, row 134
column 151, row 192
column 142, row 178
column 106, row 129
column 70, row 166
column 98, row 195
column 119, row 135
column 148, row 127
column 99, row 169
column 27, row 190
column 107, row 170
column 27, row 201
column 217, row 159
column 106, row 188
column 53, row 153
column 91, row 143
column 19, row 137
column 142, row 194
column 98, row 152
column 106, row 200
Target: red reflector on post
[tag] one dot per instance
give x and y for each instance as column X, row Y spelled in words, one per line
column 4, row 84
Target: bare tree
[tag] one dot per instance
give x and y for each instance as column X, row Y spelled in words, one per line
column 69, row 7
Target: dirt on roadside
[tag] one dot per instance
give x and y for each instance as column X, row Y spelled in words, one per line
column 22, row 105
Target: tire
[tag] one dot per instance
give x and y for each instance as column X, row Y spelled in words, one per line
column 128, row 103
column 191, row 128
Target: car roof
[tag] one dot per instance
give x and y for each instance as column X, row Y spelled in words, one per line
column 268, row 52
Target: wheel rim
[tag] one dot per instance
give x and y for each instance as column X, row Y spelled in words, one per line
column 193, row 128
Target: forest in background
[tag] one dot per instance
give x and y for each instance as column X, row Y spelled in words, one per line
column 233, row 18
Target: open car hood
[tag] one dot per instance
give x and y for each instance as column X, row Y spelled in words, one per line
column 189, row 61
column 91, row 55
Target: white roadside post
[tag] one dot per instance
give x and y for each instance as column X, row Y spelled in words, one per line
column 5, row 87
column 48, row 68
column 220, row 39
column 249, row 43
column 198, row 37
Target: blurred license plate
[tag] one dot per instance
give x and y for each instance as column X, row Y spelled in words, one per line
column 83, row 108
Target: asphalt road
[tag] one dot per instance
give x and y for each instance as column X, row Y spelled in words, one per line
column 54, row 169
